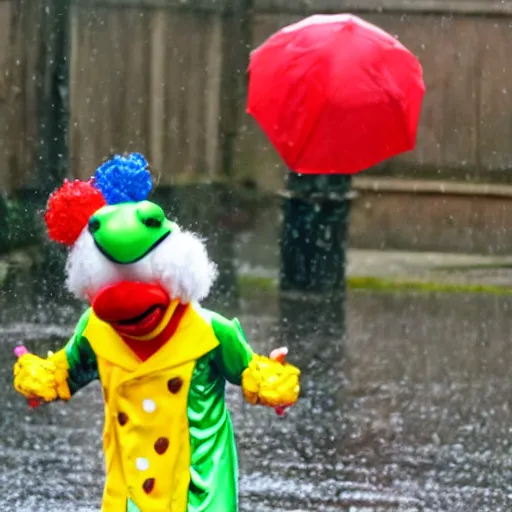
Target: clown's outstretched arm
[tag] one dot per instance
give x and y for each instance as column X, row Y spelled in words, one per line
column 61, row 374
column 265, row 380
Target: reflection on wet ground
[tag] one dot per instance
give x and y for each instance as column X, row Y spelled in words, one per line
column 410, row 412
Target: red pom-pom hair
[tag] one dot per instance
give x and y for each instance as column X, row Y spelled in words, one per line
column 69, row 209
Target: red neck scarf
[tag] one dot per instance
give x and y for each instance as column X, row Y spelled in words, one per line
column 144, row 349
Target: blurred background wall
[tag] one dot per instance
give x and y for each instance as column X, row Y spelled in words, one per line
column 167, row 78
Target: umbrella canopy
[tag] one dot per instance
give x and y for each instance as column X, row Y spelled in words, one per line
column 335, row 94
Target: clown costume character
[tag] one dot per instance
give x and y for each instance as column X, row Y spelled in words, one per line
column 162, row 359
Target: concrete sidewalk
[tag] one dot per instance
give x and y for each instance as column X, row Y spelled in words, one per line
column 426, row 267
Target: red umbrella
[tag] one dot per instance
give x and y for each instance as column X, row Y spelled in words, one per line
column 335, row 94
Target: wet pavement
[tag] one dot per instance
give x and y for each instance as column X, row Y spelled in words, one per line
column 410, row 411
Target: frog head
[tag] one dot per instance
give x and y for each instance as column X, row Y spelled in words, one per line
column 125, row 233
column 126, row 258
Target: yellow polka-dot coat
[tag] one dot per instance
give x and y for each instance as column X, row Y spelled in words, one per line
column 168, row 438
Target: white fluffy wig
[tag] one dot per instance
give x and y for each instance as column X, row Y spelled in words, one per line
column 180, row 264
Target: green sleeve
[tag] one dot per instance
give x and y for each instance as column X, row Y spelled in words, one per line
column 83, row 367
column 233, row 354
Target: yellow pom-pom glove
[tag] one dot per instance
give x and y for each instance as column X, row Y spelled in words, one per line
column 43, row 379
column 270, row 381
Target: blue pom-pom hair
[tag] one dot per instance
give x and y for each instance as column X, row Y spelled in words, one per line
column 124, row 179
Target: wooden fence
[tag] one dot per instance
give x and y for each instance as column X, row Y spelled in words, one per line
column 167, row 78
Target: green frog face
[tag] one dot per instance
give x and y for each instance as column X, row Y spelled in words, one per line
column 127, row 232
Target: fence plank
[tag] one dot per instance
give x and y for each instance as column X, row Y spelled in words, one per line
column 494, row 100
column 6, row 90
column 212, row 98
column 158, row 26
column 20, row 35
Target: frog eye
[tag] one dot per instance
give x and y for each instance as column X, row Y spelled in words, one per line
column 150, row 214
column 152, row 222
column 94, row 225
